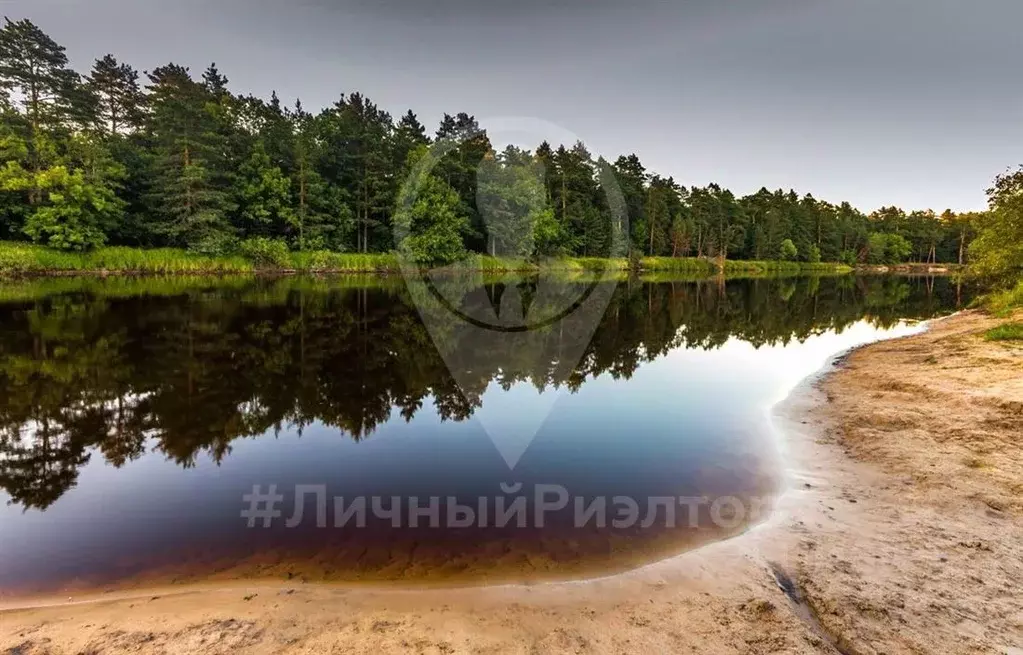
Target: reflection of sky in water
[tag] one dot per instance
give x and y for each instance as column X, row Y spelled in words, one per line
column 654, row 434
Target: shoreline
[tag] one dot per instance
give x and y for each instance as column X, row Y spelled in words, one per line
column 849, row 561
column 21, row 260
column 733, row 268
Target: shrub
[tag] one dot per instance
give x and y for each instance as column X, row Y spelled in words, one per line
column 1004, row 302
column 1007, row 332
column 325, row 260
column 680, row 265
column 898, row 249
column 813, row 255
column 887, row 248
column 266, row 253
column 215, row 244
column 635, row 260
column 788, row 252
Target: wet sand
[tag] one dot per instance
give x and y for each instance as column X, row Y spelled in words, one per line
column 901, row 532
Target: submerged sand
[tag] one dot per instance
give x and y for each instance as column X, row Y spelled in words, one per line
column 901, row 532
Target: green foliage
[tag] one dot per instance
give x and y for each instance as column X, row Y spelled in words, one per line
column 189, row 177
column 1006, row 332
column 35, row 66
column 119, row 98
column 264, row 195
column 1004, row 302
column 635, row 260
column 679, row 265
column 594, row 263
column 787, row 251
column 22, row 258
column 513, row 205
column 76, row 213
column 265, row 253
column 184, row 162
column 430, row 218
column 898, row 249
column 890, row 249
column 997, row 253
column 877, row 248
column 326, row 261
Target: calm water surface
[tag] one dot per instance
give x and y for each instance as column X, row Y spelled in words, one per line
column 135, row 414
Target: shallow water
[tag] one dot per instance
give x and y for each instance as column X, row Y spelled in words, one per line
column 135, row 415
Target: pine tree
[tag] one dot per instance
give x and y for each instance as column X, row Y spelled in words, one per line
column 120, row 100
column 632, row 179
column 513, row 203
column 458, row 168
column 192, row 208
column 323, row 215
column 355, row 158
column 409, row 134
column 663, row 206
column 36, row 67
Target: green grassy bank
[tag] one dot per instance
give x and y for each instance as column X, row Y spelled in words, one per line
column 1004, row 302
column 20, row 259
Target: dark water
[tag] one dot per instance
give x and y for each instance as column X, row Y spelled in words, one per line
column 136, row 414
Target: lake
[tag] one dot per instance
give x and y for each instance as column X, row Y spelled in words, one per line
column 151, row 428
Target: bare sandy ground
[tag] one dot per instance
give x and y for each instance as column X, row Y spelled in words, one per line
column 902, row 532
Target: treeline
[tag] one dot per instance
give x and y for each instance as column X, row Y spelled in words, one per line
column 170, row 159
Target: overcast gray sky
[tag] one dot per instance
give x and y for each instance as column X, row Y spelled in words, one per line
column 917, row 103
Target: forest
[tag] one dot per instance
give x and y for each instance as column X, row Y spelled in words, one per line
column 169, row 159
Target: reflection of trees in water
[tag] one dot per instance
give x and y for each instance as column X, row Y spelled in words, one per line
column 193, row 371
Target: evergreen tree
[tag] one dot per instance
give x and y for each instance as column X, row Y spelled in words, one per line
column 323, row 218
column 355, row 156
column 632, row 179
column 458, row 168
column 409, row 134
column 663, row 210
column 513, row 203
column 36, row 68
column 190, row 206
column 189, row 163
column 120, row 100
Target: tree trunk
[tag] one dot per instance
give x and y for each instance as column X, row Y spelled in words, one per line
column 33, row 194
column 301, row 204
column 564, row 200
column 187, row 159
column 113, row 116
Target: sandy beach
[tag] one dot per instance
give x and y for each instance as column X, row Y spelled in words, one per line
column 901, row 532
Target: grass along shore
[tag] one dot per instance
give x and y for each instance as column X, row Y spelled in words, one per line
column 21, row 259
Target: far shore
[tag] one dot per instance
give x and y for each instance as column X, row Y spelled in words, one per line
column 20, row 261
column 901, row 532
